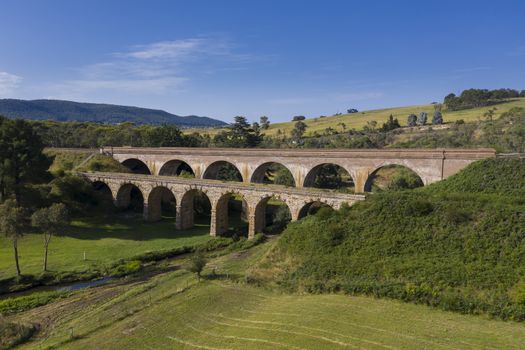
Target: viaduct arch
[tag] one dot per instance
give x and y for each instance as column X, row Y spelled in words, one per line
column 181, row 191
column 430, row 165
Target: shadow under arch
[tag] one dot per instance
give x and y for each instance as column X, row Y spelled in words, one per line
column 222, row 170
column 272, row 215
column 130, row 197
column 176, row 167
column 329, row 176
column 393, row 177
column 273, row 173
column 195, row 206
column 103, row 193
column 161, row 202
column 312, row 208
column 231, row 214
column 136, row 166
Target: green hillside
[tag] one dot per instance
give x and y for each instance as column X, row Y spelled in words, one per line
column 452, row 245
column 359, row 120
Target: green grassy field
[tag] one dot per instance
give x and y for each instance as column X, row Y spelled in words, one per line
column 359, row 120
column 174, row 311
column 104, row 240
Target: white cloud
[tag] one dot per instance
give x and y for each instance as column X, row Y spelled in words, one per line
column 8, row 83
column 155, row 68
column 472, row 69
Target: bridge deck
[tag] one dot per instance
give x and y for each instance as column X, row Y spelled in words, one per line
column 453, row 153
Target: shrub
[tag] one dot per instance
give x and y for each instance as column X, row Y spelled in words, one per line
column 13, row 334
column 517, row 293
column 197, row 263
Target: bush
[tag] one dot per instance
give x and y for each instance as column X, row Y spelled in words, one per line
column 19, row 304
column 517, row 293
column 13, row 334
column 125, row 268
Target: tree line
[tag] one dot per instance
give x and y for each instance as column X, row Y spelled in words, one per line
column 472, row 98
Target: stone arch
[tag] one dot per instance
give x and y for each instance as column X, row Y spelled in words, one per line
column 130, row 196
column 103, row 190
column 137, row 166
column 186, row 209
column 259, row 174
column 259, row 219
column 175, row 167
column 216, row 171
column 222, row 211
column 372, row 174
column 312, row 207
column 158, row 197
column 309, row 180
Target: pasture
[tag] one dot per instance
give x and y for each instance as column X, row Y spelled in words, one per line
column 359, row 120
column 174, row 311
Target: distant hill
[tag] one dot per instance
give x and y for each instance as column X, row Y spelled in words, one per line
column 99, row 113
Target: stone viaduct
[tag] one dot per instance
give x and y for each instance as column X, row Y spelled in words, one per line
column 430, row 164
column 255, row 197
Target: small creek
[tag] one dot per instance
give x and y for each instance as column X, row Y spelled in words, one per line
column 68, row 287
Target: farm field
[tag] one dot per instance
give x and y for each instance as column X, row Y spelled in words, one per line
column 359, row 120
column 104, row 240
column 174, row 311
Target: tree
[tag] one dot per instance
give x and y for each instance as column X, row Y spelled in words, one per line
column 165, row 136
column 391, row 124
column 50, row 221
column 12, row 225
column 490, row 114
column 240, row 135
column 412, row 120
column 298, row 118
column 370, row 126
column 256, row 127
column 452, row 101
column 522, row 93
column 197, row 263
column 298, row 131
column 265, row 122
column 281, row 175
column 422, row 120
column 437, row 118
column 21, row 158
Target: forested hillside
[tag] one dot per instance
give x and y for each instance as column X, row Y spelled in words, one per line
column 99, row 113
column 457, row 245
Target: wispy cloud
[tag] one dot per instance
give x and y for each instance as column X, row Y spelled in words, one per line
column 154, row 68
column 8, row 83
column 471, row 69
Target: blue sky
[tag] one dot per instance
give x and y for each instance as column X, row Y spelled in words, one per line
column 275, row 58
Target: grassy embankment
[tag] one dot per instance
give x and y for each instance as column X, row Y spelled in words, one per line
column 173, row 310
column 457, row 245
column 359, row 120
